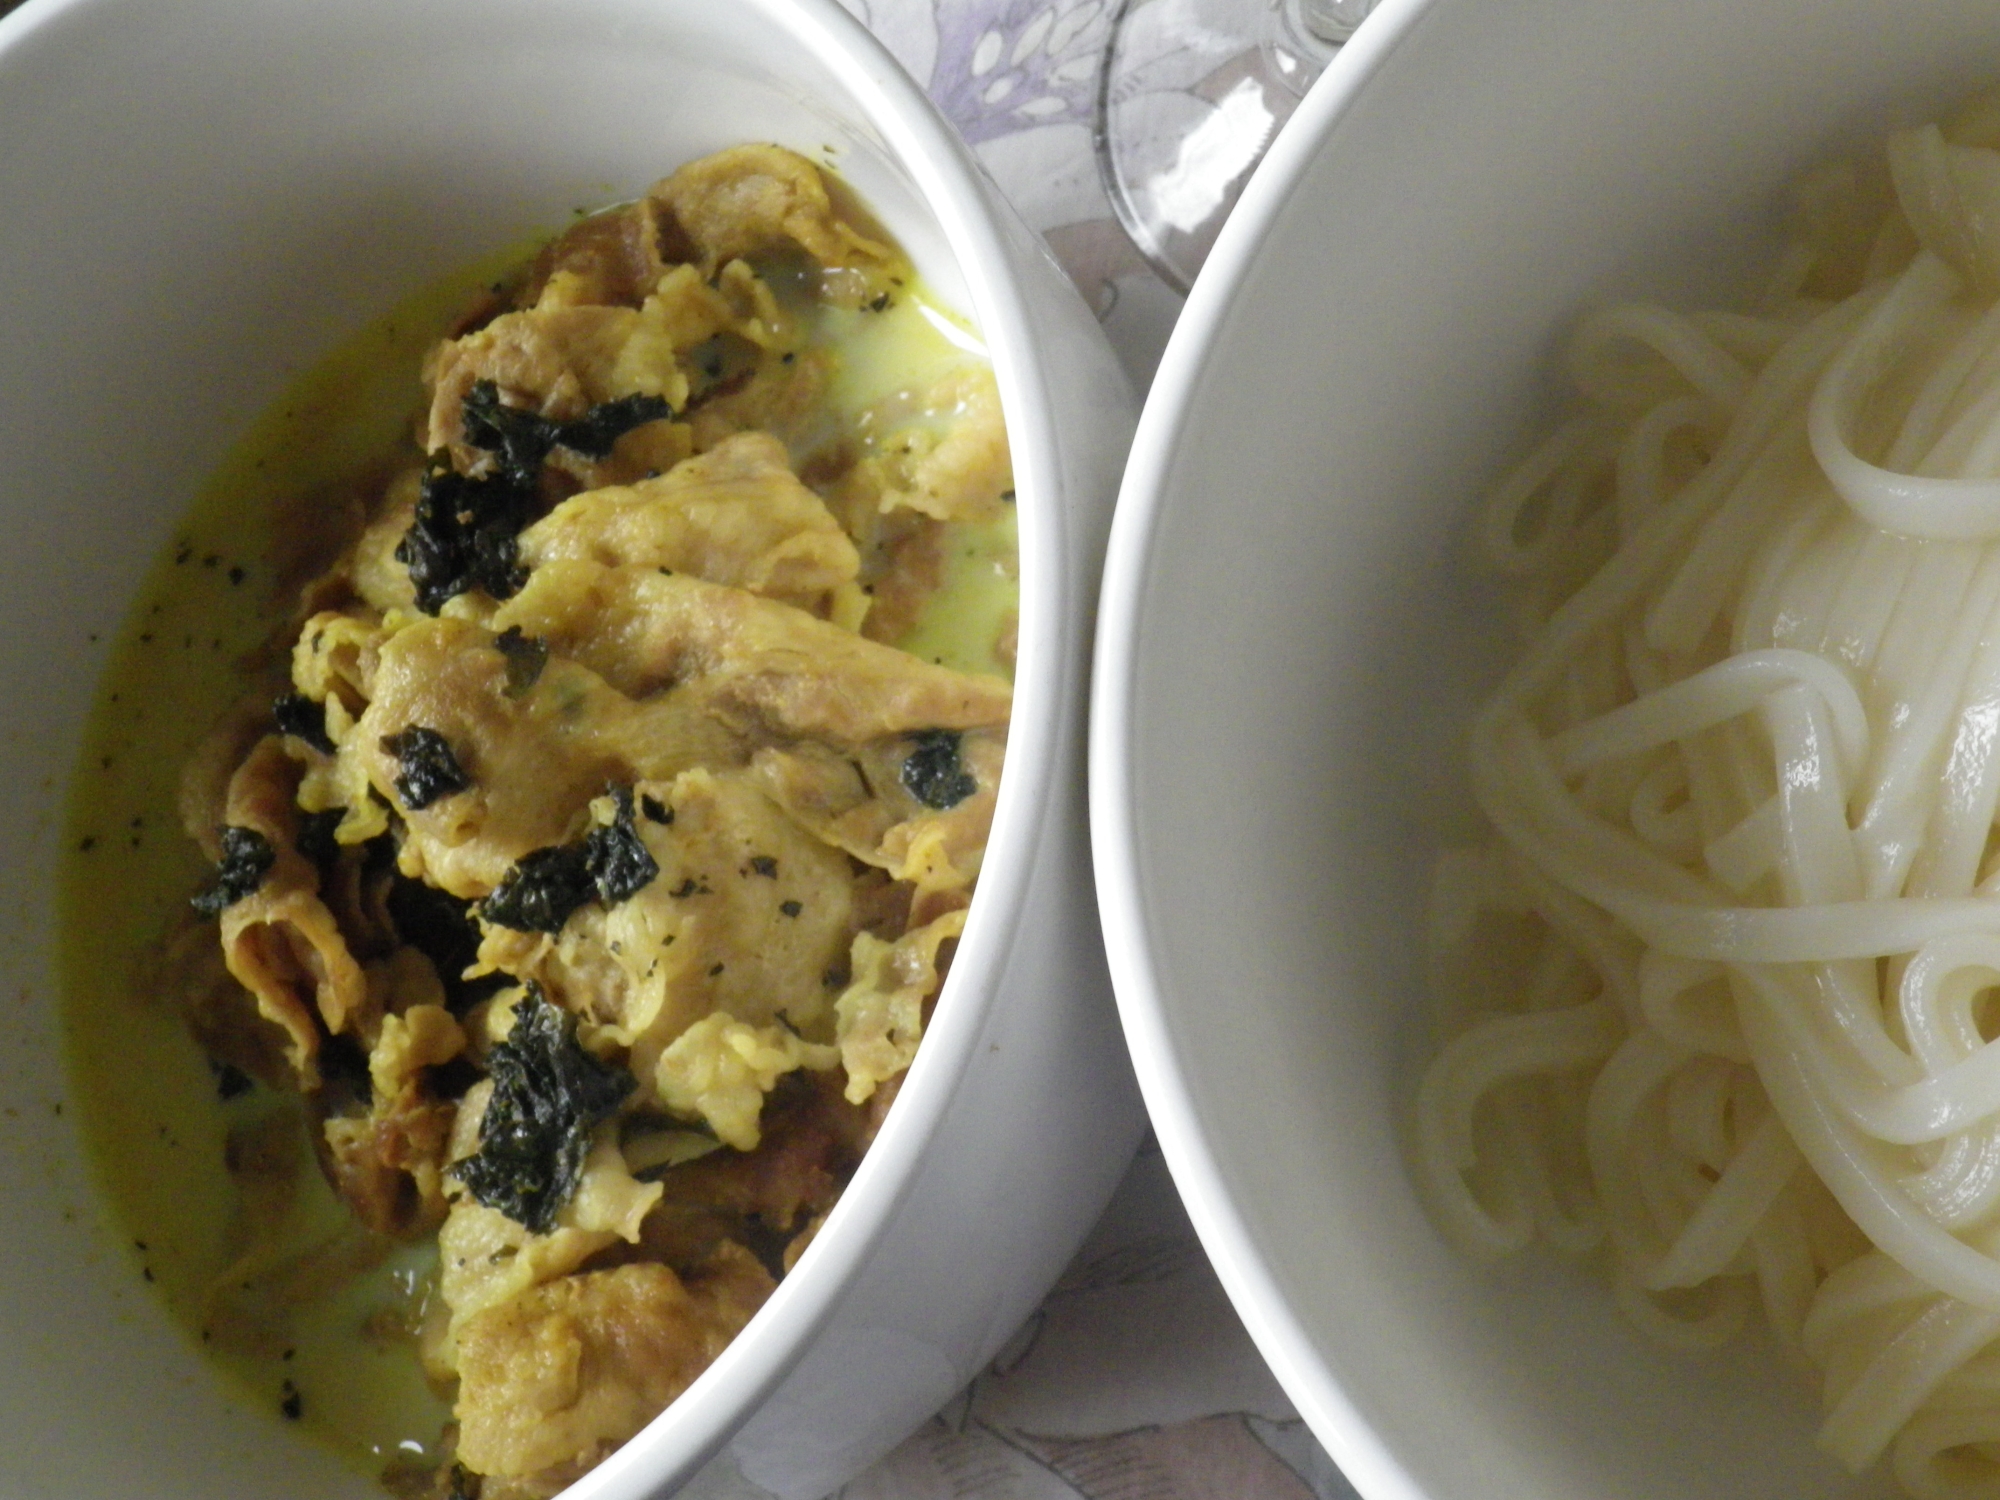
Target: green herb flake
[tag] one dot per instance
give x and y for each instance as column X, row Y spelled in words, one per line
column 542, row 890
column 465, row 535
column 518, row 438
column 620, row 865
column 549, row 1094
column 303, row 719
column 526, row 656
column 522, row 439
column 933, row 773
column 247, row 857
column 427, row 768
column 546, row 886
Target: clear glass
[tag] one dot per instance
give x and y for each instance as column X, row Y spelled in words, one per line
column 1190, row 95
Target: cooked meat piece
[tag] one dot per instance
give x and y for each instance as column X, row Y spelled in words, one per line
column 387, row 1161
column 751, row 200
column 559, row 362
column 952, row 463
column 745, row 915
column 609, row 259
column 785, row 396
column 280, row 941
column 719, row 1070
column 761, row 667
column 203, row 800
column 486, row 1258
column 734, row 515
column 861, row 800
column 223, row 1016
column 569, row 1370
column 880, row 1014
column 812, row 1139
column 534, row 760
column 904, row 570
column 384, row 1165
column 559, row 359
column 380, row 578
column 335, row 659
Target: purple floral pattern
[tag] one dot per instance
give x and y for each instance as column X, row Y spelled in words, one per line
column 1009, row 65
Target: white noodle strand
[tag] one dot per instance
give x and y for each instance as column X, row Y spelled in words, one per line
column 1731, row 968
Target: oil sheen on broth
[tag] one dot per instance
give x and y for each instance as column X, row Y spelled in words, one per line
column 166, row 1123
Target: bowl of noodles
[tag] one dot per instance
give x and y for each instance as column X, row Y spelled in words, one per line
column 550, row 939
column 1543, row 771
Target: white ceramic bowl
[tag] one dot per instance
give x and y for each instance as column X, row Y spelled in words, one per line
column 199, row 198
column 1292, row 643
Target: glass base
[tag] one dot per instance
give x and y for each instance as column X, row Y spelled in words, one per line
column 1191, row 95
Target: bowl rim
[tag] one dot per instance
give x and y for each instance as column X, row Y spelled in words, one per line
column 949, row 180
column 1313, row 1381
column 880, row 97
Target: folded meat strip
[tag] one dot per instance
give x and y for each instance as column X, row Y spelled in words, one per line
column 759, row 666
column 387, row 1160
column 532, row 759
column 613, row 258
column 280, row 942
column 567, row 359
column 747, row 915
column 745, row 200
column 734, row 515
column 557, row 1377
column 858, row 800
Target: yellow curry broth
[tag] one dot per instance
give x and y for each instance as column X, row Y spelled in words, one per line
column 342, row 1364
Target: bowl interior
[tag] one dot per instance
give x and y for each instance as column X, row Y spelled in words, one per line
column 1295, row 640
column 203, row 198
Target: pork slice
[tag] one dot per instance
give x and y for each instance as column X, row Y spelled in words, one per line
column 280, row 941
column 558, row 362
column 734, row 515
column 862, row 800
column 759, row 200
column 387, row 1160
column 609, row 259
column 769, row 671
column 746, row 914
column 567, row 1371
column 532, row 756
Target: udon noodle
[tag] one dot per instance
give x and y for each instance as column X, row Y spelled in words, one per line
column 1727, row 978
